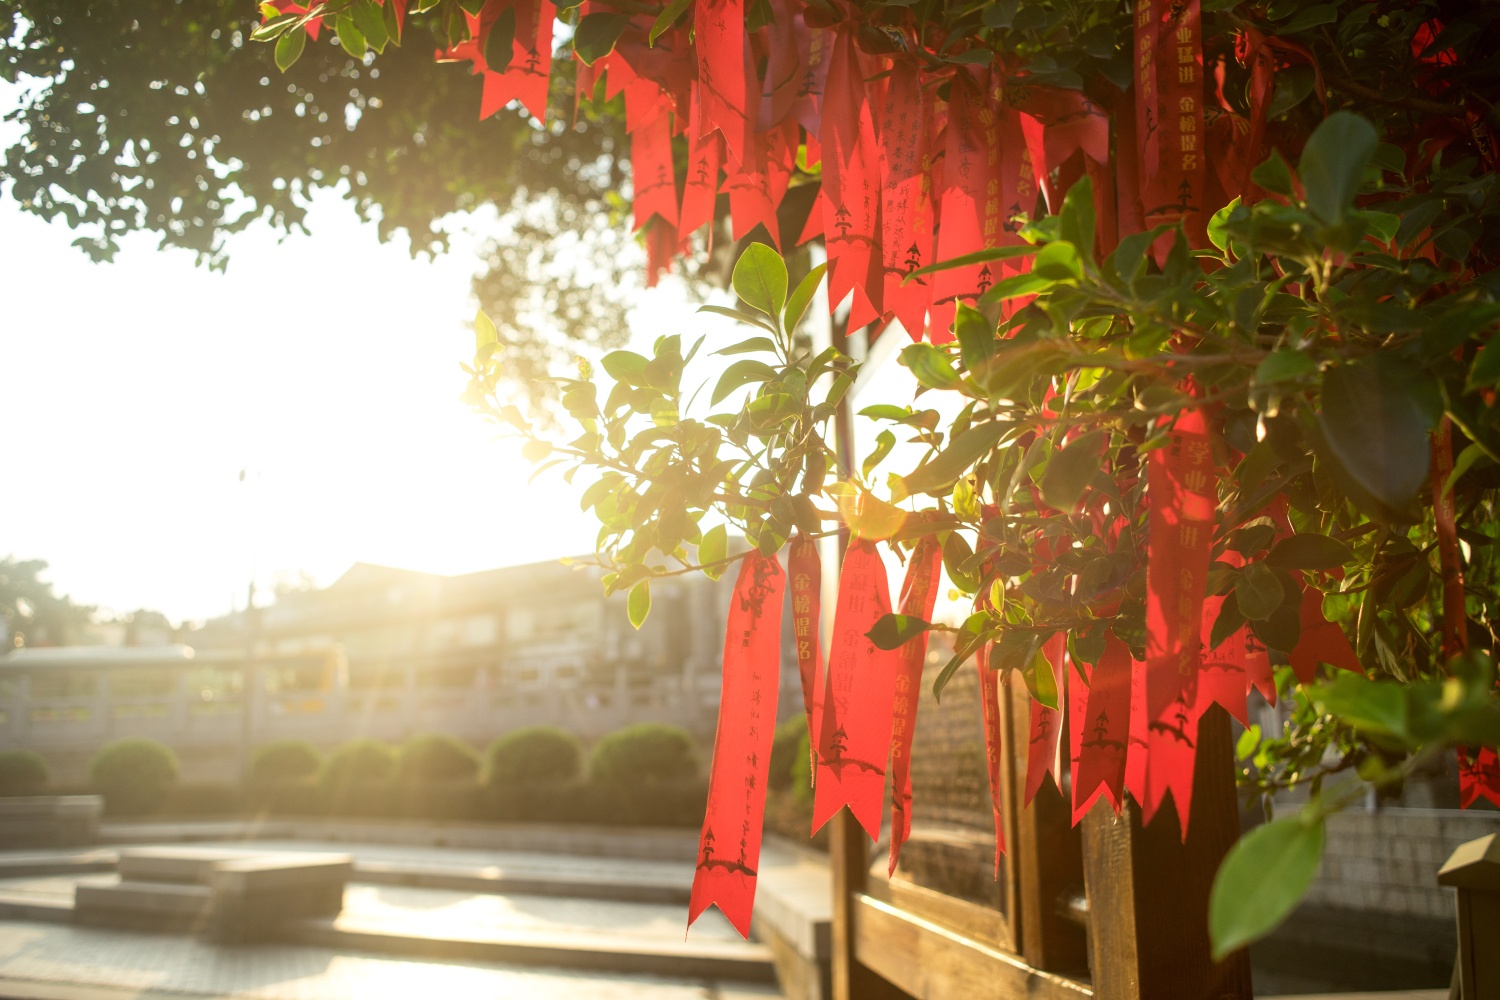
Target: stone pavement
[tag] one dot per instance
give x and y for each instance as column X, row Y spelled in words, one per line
column 46, row 961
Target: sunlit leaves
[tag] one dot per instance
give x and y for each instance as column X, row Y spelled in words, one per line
column 930, row 365
column 596, row 35
column 289, row 48
column 760, row 279
column 638, row 604
column 894, row 631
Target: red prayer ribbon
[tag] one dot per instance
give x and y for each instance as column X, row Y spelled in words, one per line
column 851, row 186
column 806, row 570
column 906, row 208
column 855, row 732
column 918, row 598
column 1101, row 732
column 1044, row 741
column 729, row 845
column 989, row 703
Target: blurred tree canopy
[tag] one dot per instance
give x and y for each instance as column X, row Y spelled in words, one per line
column 34, row 615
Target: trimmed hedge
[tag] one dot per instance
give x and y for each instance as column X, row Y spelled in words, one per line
column 134, row 776
column 285, row 760
column 435, row 759
column 648, row 753
column 534, row 755
column 23, row 772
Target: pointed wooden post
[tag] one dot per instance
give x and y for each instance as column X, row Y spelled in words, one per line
column 1148, row 890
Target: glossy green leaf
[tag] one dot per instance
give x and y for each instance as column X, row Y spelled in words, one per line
column 500, row 43
column 485, row 333
column 762, row 345
column 666, row 19
column 1333, row 162
column 1218, row 233
column 638, row 604
column 1263, row 878
column 977, row 257
column 1309, row 551
column 1070, row 470
column 1258, row 592
column 1040, row 680
column 760, row 279
column 597, row 34
column 801, row 298
column 1376, row 426
column 739, row 374
column 884, row 442
column 289, row 48
column 1076, row 221
column 937, row 476
column 1274, row 175
column 893, row 631
column 976, row 336
column 930, row 365
column 713, row 549
column 625, row 366
column 1283, row 366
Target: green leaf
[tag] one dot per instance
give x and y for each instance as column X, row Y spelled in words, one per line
column 970, row 637
column 625, row 366
column 739, row 374
column 1040, row 679
column 754, row 345
column 1283, row 366
column 1258, row 592
column 1248, row 743
column 1333, row 161
column 976, row 336
column 1485, row 371
column 760, row 279
column 712, row 549
column 596, row 36
column 1058, row 261
column 801, row 298
column 1377, row 708
column 956, row 553
column 1309, row 551
column 1376, row 426
column 937, row 476
column 930, row 365
column 638, row 604
column 351, row 39
column 1262, row 879
column 368, row 18
column 893, row 631
column 884, row 442
column 1466, row 459
column 500, row 43
column 666, row 19
column 1076, row 221
column 484, row 331
column 1274, row 175
column 1069, row 471
column 1218, row 233
column 289, row 48
column 885, row 411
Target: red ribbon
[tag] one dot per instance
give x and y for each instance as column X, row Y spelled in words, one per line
column 1044, row 746
column 855, row 731
column 806, row 570
column 1101, row 734
column 651, row 170
column 906, row 208
column 525, row 79
column 989, row 703
column 851, row 186
column 701, row 186
column 1169, row 108
column 918, row 598
column 729, row 845
column 971, row 174
column 1321, row 641
column 1223, row 675
column 725, row 80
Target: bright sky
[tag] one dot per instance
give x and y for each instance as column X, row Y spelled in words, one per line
column 326, row 366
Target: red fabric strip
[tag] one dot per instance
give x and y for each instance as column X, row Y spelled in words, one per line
column 525, row 80
column 989, row 702
column 1222, row 674
column 1321, row 641
column 749, row 190
column 918, row 598
column 701, row 186
column 725, row 79
column 806, row 569
column 729, row 845
column 1044, row 746
column 851, row 187
column 1103, row 731
column 855, row 735
column 906, row 206
column 1174, row 182
column 1135, row 754
column 651, row 170
column 973, row 138
column 1171, row 753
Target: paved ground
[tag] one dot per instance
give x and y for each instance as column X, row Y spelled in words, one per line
column 160, row 963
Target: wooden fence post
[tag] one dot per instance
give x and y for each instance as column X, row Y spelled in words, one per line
column 1148, row 891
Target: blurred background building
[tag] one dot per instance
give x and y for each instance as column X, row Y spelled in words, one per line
column 385, row 653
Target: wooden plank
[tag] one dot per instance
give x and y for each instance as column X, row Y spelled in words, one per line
column 932, row 963
column 982, row 923
column 1148, row 890
column 848, row 857
column 1049, row 852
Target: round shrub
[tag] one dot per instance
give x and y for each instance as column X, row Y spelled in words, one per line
column 23, row 772
column 358, row 762
column 435, row 759
column 285, row 760
column 533, row 755
column 644, row 754
column 134, row 775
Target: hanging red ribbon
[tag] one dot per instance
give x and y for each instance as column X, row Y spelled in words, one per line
column 701, row 186
column 989, row 703
column 851, row 186
column 729, row 845
column 726, row 82
column 1222, row 676
column 1169, row 108
column 651, row 171
column 806, row 570
column 1044, row 746
column 525, row 79
column 1321, row 641
column 971, row 161
column 906, row 208
column 918, row 598
column 855, row 732
column 1102, row 732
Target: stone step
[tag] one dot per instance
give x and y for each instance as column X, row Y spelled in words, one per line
column 606, row 953
column 145, row 905
column 492, row 881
